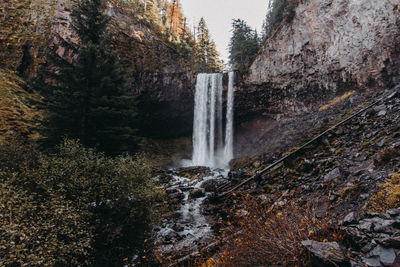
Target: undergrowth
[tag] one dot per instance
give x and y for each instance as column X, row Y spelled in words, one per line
column 388, row 197
column 270, row 236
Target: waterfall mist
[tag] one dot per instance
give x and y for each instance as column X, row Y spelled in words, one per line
column 211, row 147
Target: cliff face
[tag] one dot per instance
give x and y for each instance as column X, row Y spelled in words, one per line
column 157, row 69
column 331, row 46
column 166, row 102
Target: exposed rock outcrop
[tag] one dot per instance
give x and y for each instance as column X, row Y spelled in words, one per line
column 158, row 72
column 330, row 47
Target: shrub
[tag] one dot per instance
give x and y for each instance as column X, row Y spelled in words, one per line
column 270, row 237
column 72, row 207
column 384, row 156
column 386, row 198
column 41, row 230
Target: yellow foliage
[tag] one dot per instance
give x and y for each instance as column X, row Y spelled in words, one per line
column 18, row 111
column 336, row 100
column 388, row 197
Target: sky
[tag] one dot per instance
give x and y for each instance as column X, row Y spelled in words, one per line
column 219, row 14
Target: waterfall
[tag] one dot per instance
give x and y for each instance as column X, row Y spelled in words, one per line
column 209, row 148
column 228, row 150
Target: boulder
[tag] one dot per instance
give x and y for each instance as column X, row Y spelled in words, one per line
column 386, row 256
column 326, row 254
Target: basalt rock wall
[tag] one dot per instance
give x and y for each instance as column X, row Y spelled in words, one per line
column 330, row 47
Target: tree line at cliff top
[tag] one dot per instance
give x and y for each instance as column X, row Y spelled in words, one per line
column 245, row 42
column 99, row 111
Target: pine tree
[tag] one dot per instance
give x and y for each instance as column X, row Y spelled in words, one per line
column 85, row 86
column 243, row 47
column 206, row 52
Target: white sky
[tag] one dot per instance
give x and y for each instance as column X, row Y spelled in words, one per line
column 219, row 14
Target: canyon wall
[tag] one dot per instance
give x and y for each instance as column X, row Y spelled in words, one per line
column 158, row 71
column 331, row 46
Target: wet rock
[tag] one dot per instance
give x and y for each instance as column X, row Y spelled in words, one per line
column 178, row 227
column 176, row 196
column 326, row 254
column 211, row 185
column 197, row 193
column 194, row 172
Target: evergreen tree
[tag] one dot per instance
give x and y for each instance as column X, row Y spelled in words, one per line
column 243, row 47
column 175, row 18
column 279, row 11
column 85, row 86
column 206, row 52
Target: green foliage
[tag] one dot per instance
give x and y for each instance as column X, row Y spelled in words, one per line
column 206, row 52
column 281, row 11
column 87, row 95
column 243, row 47
column 72, row 207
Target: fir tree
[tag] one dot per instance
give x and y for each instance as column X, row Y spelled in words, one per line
column 86, row 88
column 206, row 52
column 243, row 47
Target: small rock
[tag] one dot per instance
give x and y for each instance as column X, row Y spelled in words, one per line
column 365, row 225
column 178, row 227
column 382, row 113
column 372, row 261
column 324, row 254
column 394, row 212
column 197, row 193
column 368, row 247
column 333, row 175
column 350, row 218
column 390, row 242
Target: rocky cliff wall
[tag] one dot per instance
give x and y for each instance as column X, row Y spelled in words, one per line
column 330, row 47
column 159, row 75
column 166, row 103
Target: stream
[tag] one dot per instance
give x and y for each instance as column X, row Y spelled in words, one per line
column 187, row 226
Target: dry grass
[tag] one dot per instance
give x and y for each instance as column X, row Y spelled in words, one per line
column 384, row 156
column 18, row 113
column 388, row 197
column 271, row 237
column 336, row 100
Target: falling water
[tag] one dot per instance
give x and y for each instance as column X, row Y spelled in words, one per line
column 228, row 150
column 208, row 146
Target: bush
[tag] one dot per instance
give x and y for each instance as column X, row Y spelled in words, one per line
column 270, row 237
column 386, row 198
column 72, row 207
column 41, row 231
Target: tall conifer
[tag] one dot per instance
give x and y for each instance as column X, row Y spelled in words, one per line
column 86, row 88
